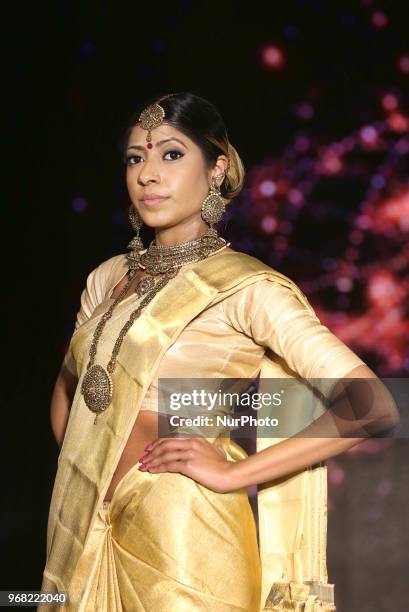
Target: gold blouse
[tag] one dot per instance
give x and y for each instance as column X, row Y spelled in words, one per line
column 228, row 340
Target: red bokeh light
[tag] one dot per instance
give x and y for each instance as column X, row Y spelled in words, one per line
column 379, row 19
column 404, row 63
column 389, row 102
column 273, row 57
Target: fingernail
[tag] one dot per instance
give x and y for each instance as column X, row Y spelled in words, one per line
column 148, row 446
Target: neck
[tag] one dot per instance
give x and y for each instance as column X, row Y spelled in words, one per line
column 171, row 236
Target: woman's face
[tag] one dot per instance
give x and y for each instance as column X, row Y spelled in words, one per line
column 174, row 168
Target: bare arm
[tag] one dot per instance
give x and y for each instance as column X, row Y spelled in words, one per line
column 61, row 400
column 99, row 280
column 302, row 450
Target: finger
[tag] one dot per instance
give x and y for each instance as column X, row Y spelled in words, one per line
column 169, row 444
column 172, row 466
column 160, row 441
column 168, row 457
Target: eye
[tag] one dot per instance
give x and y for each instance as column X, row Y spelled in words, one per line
column 175, row 151
column 130, row 158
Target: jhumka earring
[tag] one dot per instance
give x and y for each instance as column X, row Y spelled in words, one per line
column 213, row 207
column 136, row 245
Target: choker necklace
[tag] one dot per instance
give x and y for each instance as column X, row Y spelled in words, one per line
column 97, row 384
column 158, row 258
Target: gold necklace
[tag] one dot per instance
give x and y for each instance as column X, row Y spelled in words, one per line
column 159, row 258
column 97, row 384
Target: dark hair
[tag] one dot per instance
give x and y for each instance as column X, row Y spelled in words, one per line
column 200, row 121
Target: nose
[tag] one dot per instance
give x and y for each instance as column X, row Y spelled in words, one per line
column 149, row 172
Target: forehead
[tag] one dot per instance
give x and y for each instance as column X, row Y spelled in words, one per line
column 164, row 131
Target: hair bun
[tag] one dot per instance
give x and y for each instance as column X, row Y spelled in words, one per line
column 233, row 182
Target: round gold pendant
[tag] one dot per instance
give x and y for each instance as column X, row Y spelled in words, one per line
column 97, row 389
column 145, row 284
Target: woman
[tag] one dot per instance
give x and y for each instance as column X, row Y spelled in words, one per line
column 139, row 522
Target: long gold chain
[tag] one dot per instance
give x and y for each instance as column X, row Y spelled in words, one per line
column 97, row 385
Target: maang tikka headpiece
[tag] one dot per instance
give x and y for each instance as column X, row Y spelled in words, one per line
column 151, row 117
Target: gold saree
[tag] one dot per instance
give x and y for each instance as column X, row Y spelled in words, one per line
column 165, row 541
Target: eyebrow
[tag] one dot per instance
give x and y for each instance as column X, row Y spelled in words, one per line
column 140, row 147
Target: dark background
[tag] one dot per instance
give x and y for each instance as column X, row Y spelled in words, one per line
column 323, row 133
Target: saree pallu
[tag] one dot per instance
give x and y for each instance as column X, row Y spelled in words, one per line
column 164, row 542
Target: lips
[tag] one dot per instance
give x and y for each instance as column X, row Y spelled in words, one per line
column 151, row 200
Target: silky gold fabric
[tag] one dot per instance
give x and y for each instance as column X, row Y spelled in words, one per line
column 231, row 338
column 241, row 316
column 166, row 543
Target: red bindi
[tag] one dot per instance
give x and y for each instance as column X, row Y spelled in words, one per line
column 150, row 145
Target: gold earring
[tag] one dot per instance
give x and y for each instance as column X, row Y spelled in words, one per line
column 136, row 245
column 213, row 207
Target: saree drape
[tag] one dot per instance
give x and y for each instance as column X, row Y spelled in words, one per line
column 292, row 511
column 163, row 533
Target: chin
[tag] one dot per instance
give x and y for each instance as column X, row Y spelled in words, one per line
column 159, row 221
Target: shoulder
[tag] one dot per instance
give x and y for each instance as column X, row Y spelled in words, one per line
column 99, row 283
column 106, row 267
column 238, row 260
column 259, row 280
column 263, row 293
column 102, row 278
column 267, row 307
